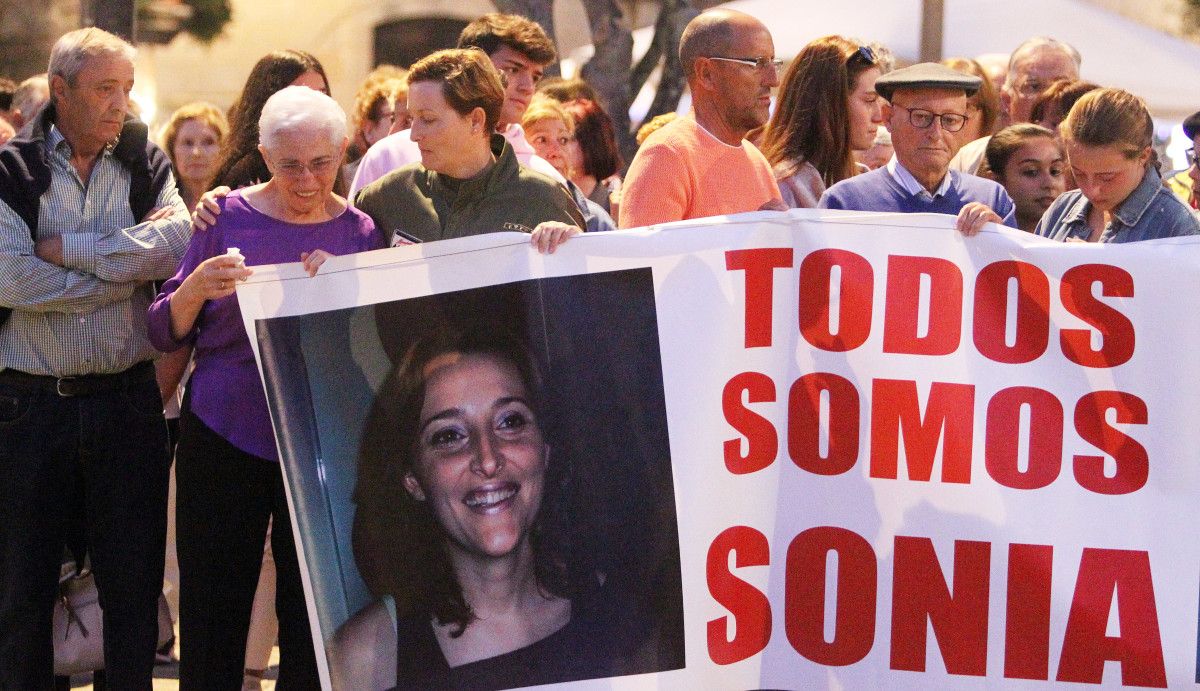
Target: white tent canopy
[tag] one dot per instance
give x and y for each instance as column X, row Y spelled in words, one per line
column 1117, row 51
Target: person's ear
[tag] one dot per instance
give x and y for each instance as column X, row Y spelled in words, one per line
column 885, row 111
column 478, row 120
column 262, row 150
column 58, row 86
column 413, row 486
column 703, row 69
column 1144, row 157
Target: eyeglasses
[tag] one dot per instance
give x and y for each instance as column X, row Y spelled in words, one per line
column 1031, row 88
column 863, row 54
column 318, row 167
column 922, row 119
column 757, row 63
column 1191, row 156
column 388, row 116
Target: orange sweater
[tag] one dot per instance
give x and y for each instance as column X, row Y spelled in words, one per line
column 682, row 171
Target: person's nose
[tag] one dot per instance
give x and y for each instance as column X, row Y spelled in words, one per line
column 120, row 100
column 1194, row 171
column 772, row 77
column 1090, row 188
column 489, row 456
column 525, row 83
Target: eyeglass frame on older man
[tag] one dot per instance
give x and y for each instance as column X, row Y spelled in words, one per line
column 757, row 63
column 940, row 117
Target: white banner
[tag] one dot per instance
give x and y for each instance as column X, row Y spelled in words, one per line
column 788, row 450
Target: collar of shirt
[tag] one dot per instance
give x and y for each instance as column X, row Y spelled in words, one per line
column 901, row 175
column 1130, row 211
column 516, row 138
column 57, row 143
column 55, row 139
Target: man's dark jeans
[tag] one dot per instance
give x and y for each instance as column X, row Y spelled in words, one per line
column 105, row 454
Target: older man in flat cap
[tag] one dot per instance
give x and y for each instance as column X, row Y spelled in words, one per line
column 927, row 105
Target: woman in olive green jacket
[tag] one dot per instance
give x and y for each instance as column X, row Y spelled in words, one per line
column 468, row 181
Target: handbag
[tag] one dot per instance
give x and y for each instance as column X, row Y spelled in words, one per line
column 78, row 631
column 78, row 623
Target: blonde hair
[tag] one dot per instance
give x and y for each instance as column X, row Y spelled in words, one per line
column 205, row 112
column 1110, row 117
column 543, row 107
column 655, row 124
column 384, row 82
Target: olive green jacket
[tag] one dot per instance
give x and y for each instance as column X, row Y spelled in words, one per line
column 505, row 197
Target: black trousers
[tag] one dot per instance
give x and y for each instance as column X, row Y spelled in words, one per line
column 224, row 498
column 107, row 453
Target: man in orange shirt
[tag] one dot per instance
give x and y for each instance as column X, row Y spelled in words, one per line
column 700, row 164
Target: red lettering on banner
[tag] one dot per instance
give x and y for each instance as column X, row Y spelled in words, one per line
column 1004, row 433
column 949, row 418
column 903, row 306
column 1133, row 464
column 922, row 599
column 759, row 265
column 750, row 608
column 804, row 603
column 1103, row 574
column 762, row 442
column 1032, row 312
column 1027, row 619
column 854, row 303
column 959, row 619
column 1117, row 335
column 804, row 424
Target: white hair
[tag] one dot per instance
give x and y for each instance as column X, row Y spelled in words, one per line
column 75, row 48
column 1038, row 44
column 298, row 106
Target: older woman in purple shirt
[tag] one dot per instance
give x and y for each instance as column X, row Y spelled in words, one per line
column 227, row 467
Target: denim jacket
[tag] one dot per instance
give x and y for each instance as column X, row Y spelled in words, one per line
column 1150, row 212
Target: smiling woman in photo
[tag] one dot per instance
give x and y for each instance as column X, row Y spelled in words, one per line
column 459, row 531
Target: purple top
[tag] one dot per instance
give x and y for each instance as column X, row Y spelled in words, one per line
column 226, row 391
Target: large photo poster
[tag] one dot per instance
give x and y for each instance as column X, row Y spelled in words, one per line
column 779, row 450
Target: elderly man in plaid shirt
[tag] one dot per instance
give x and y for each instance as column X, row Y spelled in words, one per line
column 89, row 216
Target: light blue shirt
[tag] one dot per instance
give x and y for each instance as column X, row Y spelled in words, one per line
column 910, row 184
column 1150, row 212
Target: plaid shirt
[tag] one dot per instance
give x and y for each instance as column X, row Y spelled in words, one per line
column 89, row 317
